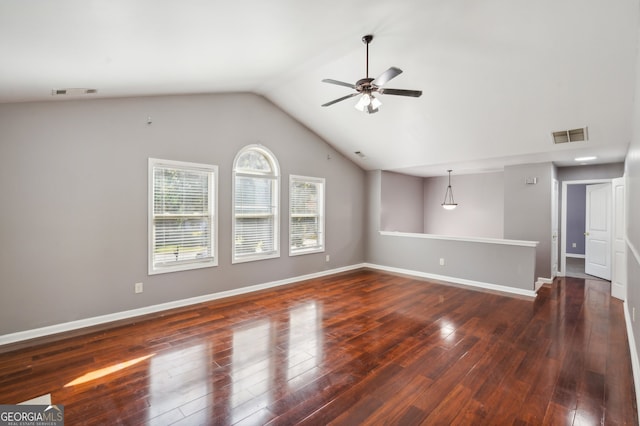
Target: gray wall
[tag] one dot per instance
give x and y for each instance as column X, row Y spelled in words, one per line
column 509, row 266
column 402, row 201
column 73, row 185
column 480, row 211
column 527, row 209
column 632, row 173
column 588, row 172
column 576, row 216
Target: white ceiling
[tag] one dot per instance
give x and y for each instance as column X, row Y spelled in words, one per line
column 498, row 76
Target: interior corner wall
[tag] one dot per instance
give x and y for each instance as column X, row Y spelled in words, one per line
column 527, row 209
column 402, row 204
column 73, row 185
column 480, row 211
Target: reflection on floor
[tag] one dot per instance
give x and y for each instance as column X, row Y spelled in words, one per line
column 362, row 347
column 575, row 269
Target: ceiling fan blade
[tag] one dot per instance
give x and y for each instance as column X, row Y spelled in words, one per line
column 341, row 99
column 401, row 92
column 392, row 72
column 339, row 83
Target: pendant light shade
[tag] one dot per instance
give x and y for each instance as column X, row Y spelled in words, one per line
column 368, row 103
column 448, row 203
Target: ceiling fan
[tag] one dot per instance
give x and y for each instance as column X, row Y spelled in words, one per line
column 368, row 86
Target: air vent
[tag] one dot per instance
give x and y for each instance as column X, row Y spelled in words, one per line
column 74, row 91
column 360, row 154
column 574, row 135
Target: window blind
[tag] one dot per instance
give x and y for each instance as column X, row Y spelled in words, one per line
column 255, row 205
column 306, row 215
column 182, row 216
column 255, row 213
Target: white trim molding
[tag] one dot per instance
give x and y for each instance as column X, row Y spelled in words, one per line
column 454, row 280
column 542, row 281
column 103, row 319
column 635, row 363
column 465, row 239
column 633, row 250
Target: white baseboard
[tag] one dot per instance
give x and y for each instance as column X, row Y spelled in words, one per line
column 542, row 281
column 103, row 319
column 635, row 363
column 576, row 256
column 471, row 283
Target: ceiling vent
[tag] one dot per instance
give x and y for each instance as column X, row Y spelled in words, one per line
column 574, row 135
column 74, row 91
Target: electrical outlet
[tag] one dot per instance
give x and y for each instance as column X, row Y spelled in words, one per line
column 442, row 261
column 138, row 288
column 328, row 258
column 633, row 314
column 574, row 245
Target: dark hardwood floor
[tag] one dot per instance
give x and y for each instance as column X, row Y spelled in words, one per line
column 363, row 347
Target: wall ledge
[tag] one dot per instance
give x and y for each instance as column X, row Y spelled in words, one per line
column 500, row 241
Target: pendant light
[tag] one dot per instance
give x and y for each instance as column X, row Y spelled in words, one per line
column 448, row 203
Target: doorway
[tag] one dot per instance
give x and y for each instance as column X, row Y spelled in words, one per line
column 577, row 245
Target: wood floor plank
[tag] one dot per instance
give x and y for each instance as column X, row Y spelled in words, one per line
column 360, row 347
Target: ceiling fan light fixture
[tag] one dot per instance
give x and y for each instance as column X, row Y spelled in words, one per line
column 363, row 103
column 375, row 102
column 368, row 103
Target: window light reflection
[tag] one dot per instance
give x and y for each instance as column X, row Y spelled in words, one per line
column 180, row 372
column 305, row 345
column 252, row 369
column 97, row 374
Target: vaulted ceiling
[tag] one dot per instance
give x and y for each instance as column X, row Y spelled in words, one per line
column 498, row 76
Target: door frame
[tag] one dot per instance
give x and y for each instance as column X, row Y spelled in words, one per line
column 619, row 252
column 563, row 233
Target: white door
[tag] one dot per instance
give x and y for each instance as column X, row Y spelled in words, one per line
column 598, row 232
column 619, row 262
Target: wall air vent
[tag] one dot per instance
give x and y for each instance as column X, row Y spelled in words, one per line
column 574, row 135
column 74, row 91
column 360, row 154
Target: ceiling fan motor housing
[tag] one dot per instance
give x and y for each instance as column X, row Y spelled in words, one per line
column 364, row 85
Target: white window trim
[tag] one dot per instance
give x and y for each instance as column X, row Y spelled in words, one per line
column 213, row 216
column 276, row 191
column 321, row 248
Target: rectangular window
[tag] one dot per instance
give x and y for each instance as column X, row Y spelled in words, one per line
column 306, row 215
column 255, row 225
column 182, row 216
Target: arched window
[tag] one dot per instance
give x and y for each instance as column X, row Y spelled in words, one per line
column 256, row 205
